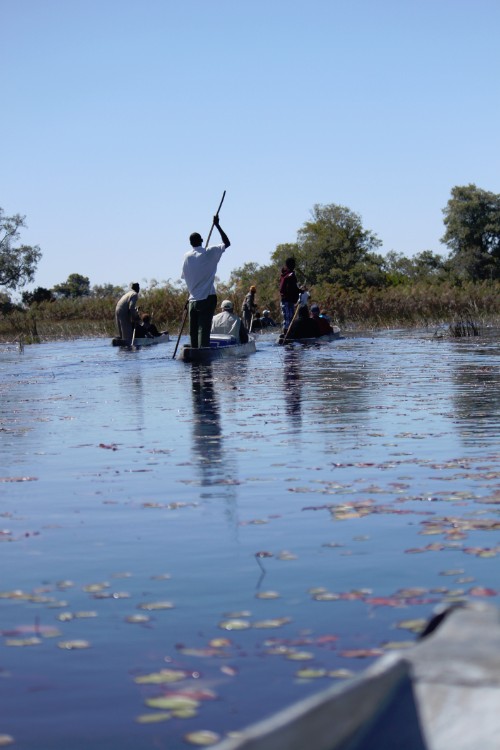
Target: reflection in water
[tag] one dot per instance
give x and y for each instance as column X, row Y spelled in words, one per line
column 477, row 399
column 208, row 449
column 292, row 385
column 133, row 393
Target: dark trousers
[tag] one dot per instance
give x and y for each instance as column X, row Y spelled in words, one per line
column 201, row 312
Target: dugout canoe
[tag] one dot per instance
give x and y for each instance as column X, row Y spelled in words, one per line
column 221, row 347
column 334, row 336
column 442, row 693
column 163, row 339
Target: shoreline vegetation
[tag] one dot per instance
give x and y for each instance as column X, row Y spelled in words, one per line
column 464, row 309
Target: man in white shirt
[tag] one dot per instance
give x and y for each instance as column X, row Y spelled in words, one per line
column 198, row 271
column 229, row 323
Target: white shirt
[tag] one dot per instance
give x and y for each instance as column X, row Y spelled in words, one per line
column 227, row 322
column 199, row 269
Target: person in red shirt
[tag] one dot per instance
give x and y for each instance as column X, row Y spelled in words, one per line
column 289, row 292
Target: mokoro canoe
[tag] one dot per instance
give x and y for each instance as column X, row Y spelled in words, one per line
column 317, row 340
column 142, row 342
column 221, row 347
column 443, row 693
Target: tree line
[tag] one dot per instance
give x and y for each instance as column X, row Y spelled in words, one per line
column 335, row 255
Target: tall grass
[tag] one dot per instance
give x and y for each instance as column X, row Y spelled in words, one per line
column 420, row 304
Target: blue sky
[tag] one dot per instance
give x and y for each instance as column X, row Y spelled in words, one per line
column 124, row 120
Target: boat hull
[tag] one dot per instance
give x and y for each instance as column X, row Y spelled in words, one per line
column 163, row 339
column 335, row 336
column 441, row 694
column 221, row 347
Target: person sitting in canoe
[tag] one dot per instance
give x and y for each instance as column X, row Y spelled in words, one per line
column 303, row 327
column 266, row 321
column 229, row 323
column 323, row 325
column 146, row 329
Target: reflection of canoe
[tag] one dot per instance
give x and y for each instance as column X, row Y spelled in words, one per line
column 317, row 340
column 143, row 342
column 221, row 346
column 442, row 693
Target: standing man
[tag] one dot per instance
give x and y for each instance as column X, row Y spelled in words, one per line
column 289, row 292
column 127, row 314
column 198, row 271
column 249, row 308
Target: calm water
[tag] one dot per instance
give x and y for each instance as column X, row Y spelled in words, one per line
column 251, row 526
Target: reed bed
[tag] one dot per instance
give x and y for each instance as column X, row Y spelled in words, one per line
column 417, row 305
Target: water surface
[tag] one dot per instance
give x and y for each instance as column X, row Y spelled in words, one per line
column 296, row 510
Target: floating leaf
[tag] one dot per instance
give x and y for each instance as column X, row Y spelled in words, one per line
column 481, row 591
column 164, row 676
column 286, row 555
column 299, row 655
column 73, row 645
column 310, row 673
column 172, row 702
column 326, row 596
column 234, row 624
column 153, row 606
column 415, row 626
column 267, row 595
column 202, row 737
column 153, row 718
column 137, row 618
column 277, row 622
column 361, row 653
column 397, row 645
column 65, row 616
column 91, row 588
column 85, row 615
column 219, row 642
column 23, row 641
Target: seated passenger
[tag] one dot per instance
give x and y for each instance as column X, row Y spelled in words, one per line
column 304, row 326
column 323, row 324
column 146, row 329
column 229, row 323
column 266, row 321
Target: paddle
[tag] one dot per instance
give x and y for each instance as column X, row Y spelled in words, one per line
column 217, row 213
column 133, row 337
column 182, row 326
column 291, row 323
column 187, row 301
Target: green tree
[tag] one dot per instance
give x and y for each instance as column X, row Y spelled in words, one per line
column 107, row 290
column 425, row 266
column 17, row 262
column 335, row 248
column 75, row 285
column 40, row 294
column 472, row 221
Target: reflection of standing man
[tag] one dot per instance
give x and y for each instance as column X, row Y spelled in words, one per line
column 126, row 313
column 198, row 271
column 289, row 292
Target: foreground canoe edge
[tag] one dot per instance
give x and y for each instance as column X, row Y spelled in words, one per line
column 142, row 342
column 442, row 693
column 221, row 347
